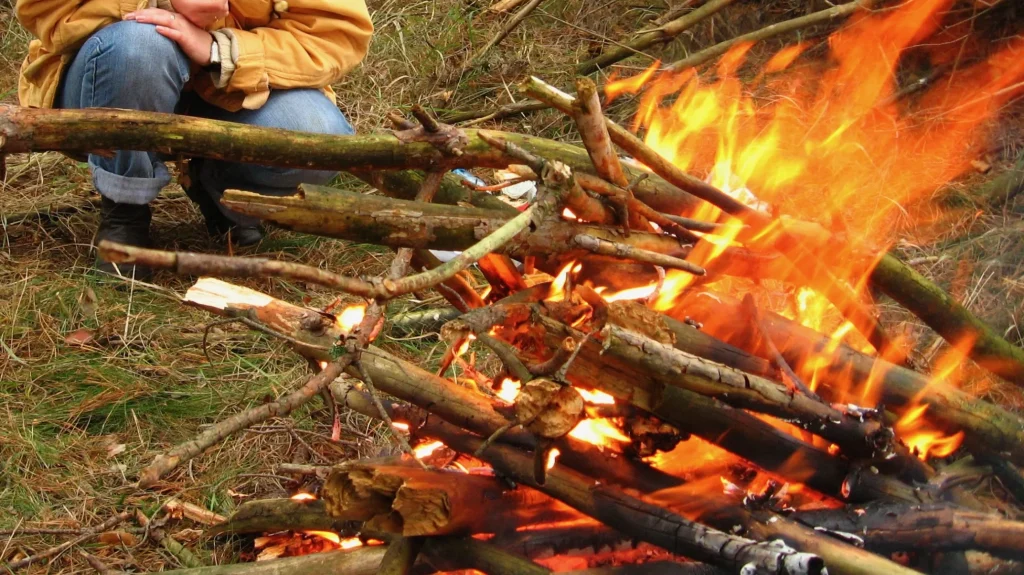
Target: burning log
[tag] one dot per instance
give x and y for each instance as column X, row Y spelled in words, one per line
column 985, row 425
column 888, row 527
column 412, row 502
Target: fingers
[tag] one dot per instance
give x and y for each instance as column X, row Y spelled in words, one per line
column 154, row 16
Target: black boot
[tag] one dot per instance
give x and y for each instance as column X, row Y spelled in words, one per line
column 217, row 224
column 125, row 224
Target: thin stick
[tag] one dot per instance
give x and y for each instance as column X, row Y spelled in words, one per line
column 165, row 463
column 496, row 187
column 400, row 265
column 54, row 551
column 375, row 397
column 789, row 376
column 210, row 265
column 771, row 31
column 507, row 355
column 516, row 19
column 660, row 35
column 679, row 227
column 186, row 557
column 623, row 251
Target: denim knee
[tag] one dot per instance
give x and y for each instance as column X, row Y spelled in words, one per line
column 127, row 65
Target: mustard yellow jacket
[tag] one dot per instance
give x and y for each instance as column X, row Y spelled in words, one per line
column 283, row 44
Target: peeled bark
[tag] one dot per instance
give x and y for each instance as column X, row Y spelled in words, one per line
column 411, row 501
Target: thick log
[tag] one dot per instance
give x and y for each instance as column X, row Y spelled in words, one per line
column 99, row 130
column 401, row 223
column 890, row 527
column 850, row 375
column 401, row 555
column 362, row 561
column 412, row 501
column 469, row 553
column 270, row 515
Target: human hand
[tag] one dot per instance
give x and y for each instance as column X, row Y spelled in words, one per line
column 202, row 13
column 193, row 40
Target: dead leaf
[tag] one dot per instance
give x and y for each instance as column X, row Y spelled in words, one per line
column 187, row 535
column 115, row 449
column 80, row 337
column 981, row 166
column 88, row 303
column 118, row 538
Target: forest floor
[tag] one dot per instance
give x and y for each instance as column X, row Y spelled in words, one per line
column 78, row 418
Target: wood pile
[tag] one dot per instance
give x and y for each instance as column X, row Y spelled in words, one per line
column 716, row 455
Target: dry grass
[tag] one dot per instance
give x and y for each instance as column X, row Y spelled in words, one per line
column 77, row 422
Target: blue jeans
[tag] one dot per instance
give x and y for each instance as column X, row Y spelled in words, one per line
column 129, row 65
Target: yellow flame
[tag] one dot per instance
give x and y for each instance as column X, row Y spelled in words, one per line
column 351, row 317
column 595, row 397
column 400, row 425
column 598, row 431
column 350, row 543
column 328, row 535
column 427, row 449
column 302, row 496
column 509, row 390
column 553, row 457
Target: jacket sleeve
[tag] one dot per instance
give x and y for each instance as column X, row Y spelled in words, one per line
column 311, row 44
column 64, row 24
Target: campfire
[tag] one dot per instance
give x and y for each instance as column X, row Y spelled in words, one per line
column 691, row 368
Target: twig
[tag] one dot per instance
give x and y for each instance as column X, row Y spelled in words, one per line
column 660, row 35
column 501, row 112
column 789, row 376
column 771, row 31
column 375, row 397
column 165, row 463
column 54, row 551
column 425, row 119
column 509, row 27
column 211, row 265
column 507, row 355
column 158, row 535
column 671, row 224
column 623, row 251
column 564, row 370
column 432, row 182
column 99, row 566
column 496, row 187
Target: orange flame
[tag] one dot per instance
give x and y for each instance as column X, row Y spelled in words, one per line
column 351, row 317
column 400, row 425
column 328, row 535
column 350, row 543
column 427, row 449
column 302, row 496
column 922, row 441
column 598, row 432
column 595, row 397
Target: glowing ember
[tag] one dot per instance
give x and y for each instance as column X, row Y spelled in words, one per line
column 400, row 426
column 427, row 449
column 351, row 317
column 598, row 432
column 553, row 457
column 301, row 496
column 567, row 214
column 350, row 543
column 328, row 535
column 596, row 397
column 509, row 390
column 323, row 365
